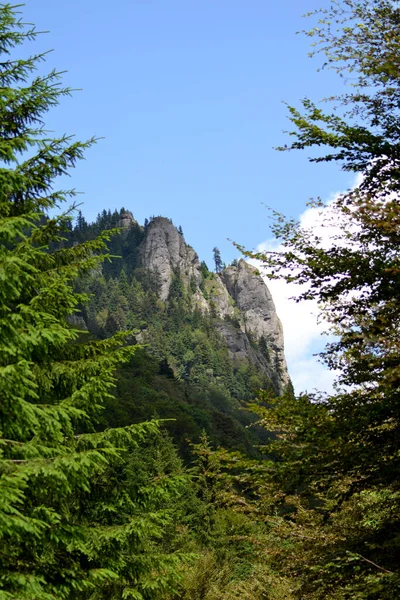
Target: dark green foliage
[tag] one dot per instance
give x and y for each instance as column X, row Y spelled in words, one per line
column 333, row 489
column 75, row 522
column 204, row 270
column 264, row 347
column 147, row 388
column 230, row 539
column 217, row 260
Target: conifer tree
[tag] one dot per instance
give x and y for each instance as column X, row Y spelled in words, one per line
column 81, row 221
column 217, row 260
column 69, row 527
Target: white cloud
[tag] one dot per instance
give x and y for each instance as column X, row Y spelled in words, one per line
column 309, row 375
column 302, row 324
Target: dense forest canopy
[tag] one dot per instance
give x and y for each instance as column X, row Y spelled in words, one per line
column 99, row 497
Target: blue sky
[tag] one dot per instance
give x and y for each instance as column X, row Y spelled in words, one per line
column 188, row 95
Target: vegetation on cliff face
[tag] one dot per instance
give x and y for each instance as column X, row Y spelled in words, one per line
column 95, row 501
column 185, row 370
column 157, row 286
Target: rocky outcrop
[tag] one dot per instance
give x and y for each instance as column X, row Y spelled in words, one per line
column 126, row 220
column 240, row 349
column 237, row 298
column 258, row 314
column 220, row 302
column 165, row 253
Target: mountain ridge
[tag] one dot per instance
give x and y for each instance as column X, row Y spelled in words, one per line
column 237, row 295
column 209, row 340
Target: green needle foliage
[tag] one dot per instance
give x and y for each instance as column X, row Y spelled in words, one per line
column 73, row 521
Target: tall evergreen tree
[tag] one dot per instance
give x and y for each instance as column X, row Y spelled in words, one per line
column 69, row 526
column 217, row 260
column 81, row 221
column 336, row 483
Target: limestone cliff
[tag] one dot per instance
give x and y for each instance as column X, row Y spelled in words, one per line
column 237, row 298
column 164, row 251
column 257, row 309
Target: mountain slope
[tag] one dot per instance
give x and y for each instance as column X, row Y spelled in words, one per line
column 211, row 339
column 237, row 299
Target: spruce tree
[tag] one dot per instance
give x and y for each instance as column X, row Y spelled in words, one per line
column 69, row 526
column 217, row 260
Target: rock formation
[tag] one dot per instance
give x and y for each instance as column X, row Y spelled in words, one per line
column 126, row 220
column 257, row 309
column 165, row 253
column 238, row 299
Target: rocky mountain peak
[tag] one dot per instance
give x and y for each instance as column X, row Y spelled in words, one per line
column 126, row 220
column 165, row 252
column 237, row 298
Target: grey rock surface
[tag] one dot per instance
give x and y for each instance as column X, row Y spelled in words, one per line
column 258, row 312
column 164, row 251
column 237, row 341
column 240, row 349
column 127, row 220
column 237, row 298
column 220, row 300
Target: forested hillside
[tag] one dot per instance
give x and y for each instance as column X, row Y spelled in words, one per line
column 204, row 354
column 151, row 445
